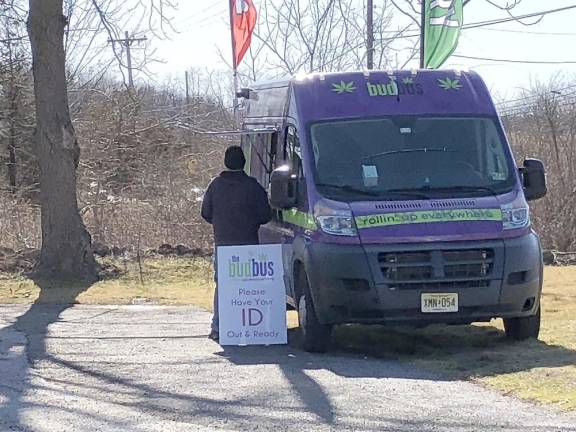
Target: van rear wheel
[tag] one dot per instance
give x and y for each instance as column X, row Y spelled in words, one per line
column 523, row 328
column 315, row 336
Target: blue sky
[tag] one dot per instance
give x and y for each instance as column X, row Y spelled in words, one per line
column 203, row 32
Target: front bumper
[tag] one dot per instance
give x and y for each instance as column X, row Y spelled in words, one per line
column 384, row 283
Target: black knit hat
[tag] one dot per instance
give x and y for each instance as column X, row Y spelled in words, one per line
column 234, row 158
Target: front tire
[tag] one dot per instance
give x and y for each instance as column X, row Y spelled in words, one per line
column 315, row 336
column 523, row 328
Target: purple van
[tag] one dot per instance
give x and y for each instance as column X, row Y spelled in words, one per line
column 398, row 199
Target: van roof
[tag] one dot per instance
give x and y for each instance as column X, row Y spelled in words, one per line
column 320, row 96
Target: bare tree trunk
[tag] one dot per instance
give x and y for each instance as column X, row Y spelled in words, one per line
column 12, row 95
column 12, row 146
column 66, row 244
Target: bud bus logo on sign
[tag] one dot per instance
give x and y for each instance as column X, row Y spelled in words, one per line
column 259, row 268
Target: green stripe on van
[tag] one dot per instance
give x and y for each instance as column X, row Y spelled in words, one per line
column 298, row 218
column 431, row 216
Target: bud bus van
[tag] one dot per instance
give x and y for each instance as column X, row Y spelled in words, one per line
column 398, row 199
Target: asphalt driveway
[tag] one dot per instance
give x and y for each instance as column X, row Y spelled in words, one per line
column 151, row 368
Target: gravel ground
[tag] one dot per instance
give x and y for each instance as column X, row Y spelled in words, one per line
column 150, row 368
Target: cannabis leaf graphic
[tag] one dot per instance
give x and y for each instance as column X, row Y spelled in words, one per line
column 344, row 87
column 450, row 84
column 408, row 80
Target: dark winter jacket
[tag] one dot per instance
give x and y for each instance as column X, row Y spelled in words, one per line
column 236, row 205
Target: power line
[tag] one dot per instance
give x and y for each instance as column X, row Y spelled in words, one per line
column 530, row 110
column 514, row 61
column 526, row 109
column 212, row 6
column 211, row 20
column 524, row 32
column 202, row 21
column 481, row 24
column 527, row 104
column 517, row 18
column 530, row 106
column 535, row 96
column 127, row 43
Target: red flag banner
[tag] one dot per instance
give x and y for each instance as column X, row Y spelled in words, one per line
column 243, row 20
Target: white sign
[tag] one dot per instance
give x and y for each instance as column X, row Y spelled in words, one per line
column 251, row 295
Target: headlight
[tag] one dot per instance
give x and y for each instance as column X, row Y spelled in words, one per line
column 513, row 218
column 337, row 225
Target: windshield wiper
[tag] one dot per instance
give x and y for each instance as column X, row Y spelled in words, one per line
column 415, row 193
column 419, row 150
column 348, row 188
column 381, row 194
column 449, row 189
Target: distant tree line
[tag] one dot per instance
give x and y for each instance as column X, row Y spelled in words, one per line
column 139, row 158
column 541, row 122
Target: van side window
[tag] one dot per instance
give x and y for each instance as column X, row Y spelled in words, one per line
column 246, row 144
column 292, row 150
column 260, row 152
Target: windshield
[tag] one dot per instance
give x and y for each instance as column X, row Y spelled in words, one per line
column 410, row 158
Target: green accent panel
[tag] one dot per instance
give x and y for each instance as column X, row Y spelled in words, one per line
column 298, row 218
column 431, row 216
column 443, row 24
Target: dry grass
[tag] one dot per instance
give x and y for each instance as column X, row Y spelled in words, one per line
column 543, row 371
column 167, row 281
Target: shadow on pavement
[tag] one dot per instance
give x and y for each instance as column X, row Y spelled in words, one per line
column 32, row 328
column 353, row 357
column 296, row 366
column 459, row 352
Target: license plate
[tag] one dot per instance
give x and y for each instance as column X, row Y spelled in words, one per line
column 439, row 302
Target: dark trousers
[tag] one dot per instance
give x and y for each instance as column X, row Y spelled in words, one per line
column 215, row 322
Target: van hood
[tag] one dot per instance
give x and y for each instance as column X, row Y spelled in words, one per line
column 458, row 219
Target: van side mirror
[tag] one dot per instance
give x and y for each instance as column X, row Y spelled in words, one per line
column 534, row 179
column 283, row 188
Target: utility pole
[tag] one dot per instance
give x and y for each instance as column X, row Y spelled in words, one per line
column 422, row 32
column 370, row 34
column 127, row 43
column 187, row 89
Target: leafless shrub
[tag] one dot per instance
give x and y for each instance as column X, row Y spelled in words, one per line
column 541, row 123
column 19, row 222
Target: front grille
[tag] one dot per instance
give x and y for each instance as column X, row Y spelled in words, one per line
column 437, row 269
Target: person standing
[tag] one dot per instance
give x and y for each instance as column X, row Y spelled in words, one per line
column 236, row 205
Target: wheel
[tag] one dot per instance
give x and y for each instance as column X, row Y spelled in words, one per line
column 524, row 327
column 315, row 336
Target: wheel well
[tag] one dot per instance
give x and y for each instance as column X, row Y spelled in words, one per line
column 298, row 268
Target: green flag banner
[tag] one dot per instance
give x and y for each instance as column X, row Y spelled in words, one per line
column 442, row 26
